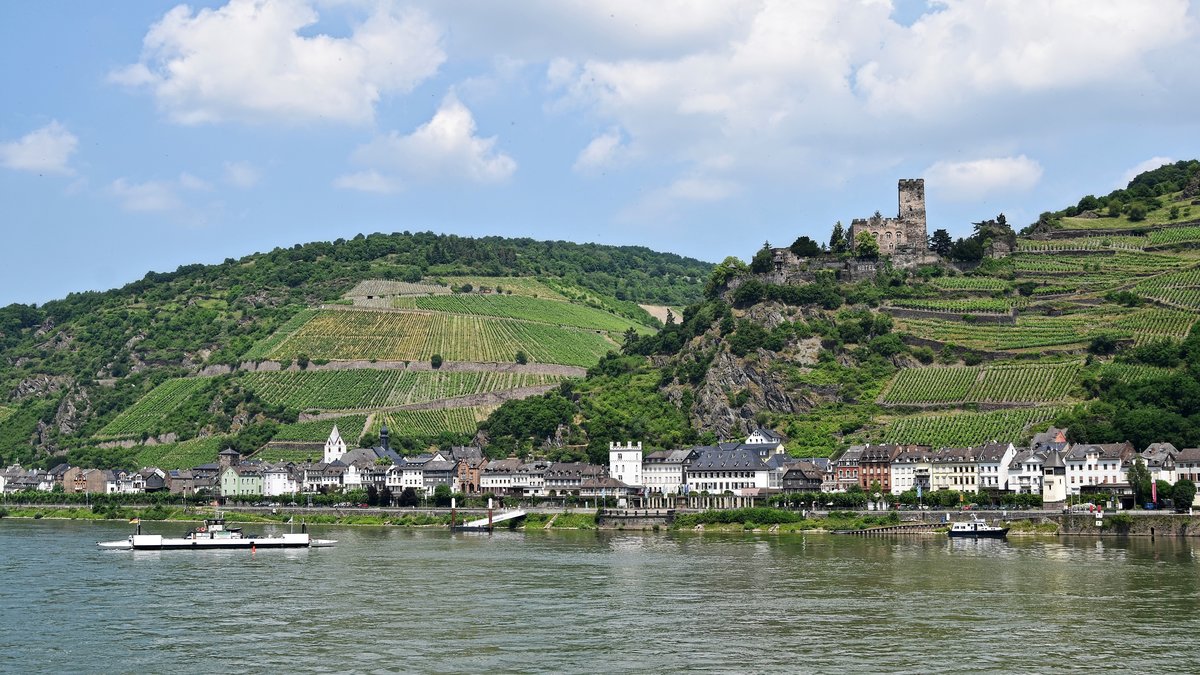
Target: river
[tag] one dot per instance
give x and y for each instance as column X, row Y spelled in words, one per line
column 392, row 599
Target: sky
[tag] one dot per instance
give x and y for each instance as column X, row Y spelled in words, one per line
column 140, row 136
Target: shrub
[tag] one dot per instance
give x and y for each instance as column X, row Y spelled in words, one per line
column 436, row 361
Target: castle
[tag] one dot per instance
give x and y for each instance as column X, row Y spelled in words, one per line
column 904, row 232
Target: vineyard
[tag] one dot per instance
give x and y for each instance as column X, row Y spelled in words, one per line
column 1023, row 383
column 1082, row 244
column 526, row 308
column 430, row 423
column 1175, row 235
column 1181, row 289
column 366, row 389
column 960, row 306
column 406, row 336
column 152, row 409
column 381, row 287
column 272, row 454
column 350, row 427
column 185, row 455
column 1125, row 262
column 981, row 284
column 960, row 429
column 1129, row 372
column 263, row 348
column 525, row 286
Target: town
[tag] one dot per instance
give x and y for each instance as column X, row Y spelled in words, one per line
column 1051, row 473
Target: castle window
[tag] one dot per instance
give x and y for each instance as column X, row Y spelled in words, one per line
column 889, row 235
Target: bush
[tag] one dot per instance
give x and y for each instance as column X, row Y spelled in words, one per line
column 436, row 361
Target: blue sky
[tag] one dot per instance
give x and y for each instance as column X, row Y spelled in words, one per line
column 139, row 136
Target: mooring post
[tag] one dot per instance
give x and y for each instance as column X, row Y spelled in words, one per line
column 489, row 514
column 453, row 504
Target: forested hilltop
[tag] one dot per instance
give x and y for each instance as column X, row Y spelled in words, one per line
column 1085, row 319
column 72, row 370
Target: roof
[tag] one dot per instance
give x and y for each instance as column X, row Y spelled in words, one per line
column 1080, row 451
column 1188, row 455
column 993, row 452
column 955, row 455
column 768, row 434
column 506, row 465
column 716, row 459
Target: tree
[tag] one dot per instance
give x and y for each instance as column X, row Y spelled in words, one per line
column 436, row 361
column 1139, row 479
column 837, row 240
column 865, row 245
column 1163, row 490
column 441, row 495
column 302, row 361
column 408, row 497
column 940, row 242
column 805, row 247
column 1183, row 494
column 764, row 260
column 521, row 358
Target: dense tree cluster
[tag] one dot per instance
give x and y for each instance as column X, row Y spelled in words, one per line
column 1141, row 195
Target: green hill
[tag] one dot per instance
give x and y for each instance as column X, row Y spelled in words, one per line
column 173, row 356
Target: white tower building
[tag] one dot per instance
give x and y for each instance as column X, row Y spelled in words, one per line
column 335, row 447
column 625, row 463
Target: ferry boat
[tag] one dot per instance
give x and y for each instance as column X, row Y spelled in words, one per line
column 977, row 528
column 214, row 534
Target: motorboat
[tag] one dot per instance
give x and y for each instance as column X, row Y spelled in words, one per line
column 977, row 528
column 215, row 534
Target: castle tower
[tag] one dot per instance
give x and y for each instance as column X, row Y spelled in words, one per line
column 335, row 447
column 625, row 462
column 912, row 210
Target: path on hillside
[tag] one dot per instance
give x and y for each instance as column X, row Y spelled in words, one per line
column 485, row 399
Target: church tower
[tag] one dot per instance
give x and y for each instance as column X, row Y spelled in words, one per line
column 383, row 438
column 335, row 447
column 912, row 211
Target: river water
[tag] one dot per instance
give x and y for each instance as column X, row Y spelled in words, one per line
column 391, row 599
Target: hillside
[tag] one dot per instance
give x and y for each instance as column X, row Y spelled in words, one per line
column 275, row 348
column 1005, row 335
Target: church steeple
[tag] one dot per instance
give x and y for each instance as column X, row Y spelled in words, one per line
column 383, row 437
column 335, row 447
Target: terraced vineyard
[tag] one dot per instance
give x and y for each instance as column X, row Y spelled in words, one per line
column 1175, row 235
column 428, row 423
column 350, row 427
column 152, row 409
column 272, row 454
column 960, row 429
column 1128, row 372
column 384, row 287
column 526, row 308
column 410, row 336
column 1036, row 331
column 185, row 455
column 263, row 348
column 1129, row 243
column 1019, row 383
column 961, row 306
column 368, row 389
column 980, row 284
column 1181, row 289
column 525, row 286
column 1125, row 262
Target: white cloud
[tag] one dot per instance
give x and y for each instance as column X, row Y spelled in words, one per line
column 257, row 60
column 189, row 182
column 666, row 203
column 241, row 174
column 444, row 147
column 369, row 181
column 605, row 150
column 1148, row 165
column 148, row 197
column 964, row 181
column 46, row 150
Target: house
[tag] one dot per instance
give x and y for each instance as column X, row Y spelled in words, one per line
column 846, row 469
column 912, row 469
column 992, row 464
column 567, row 477
column 1160, row 460
column 1054, row 479
column 530, row 478
column 1187, row 467
column 875, row 466
column 716, row 470
column 280, row 479
column 625, row 462
column 763, row 436
column 1050, row 439
column 955, row 469
column 1025, row 471
column 323, row 477
column 181, row 481
column 803, row 476
column 469, row 463
column 435, row 472
column 242, row 480
column 153, row 479
column 777, row 465
column 499, row 476
column 1092, row 464
column 604, row 486
column 663, row 471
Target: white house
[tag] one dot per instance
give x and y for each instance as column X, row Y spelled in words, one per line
column 1025, row 471
column 663, row 471
column 992, row 464
column 955, row 469
column 335, row 447
column 761, row 436
column 1097, row 464
column 500, row 476
column 718, row 471
column 1160, row 460
column 279, row 479
column 530, row 478
column 625, row 463
column 912, row 468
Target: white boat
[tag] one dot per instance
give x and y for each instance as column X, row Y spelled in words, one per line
column 214, row 534
column 978, row 529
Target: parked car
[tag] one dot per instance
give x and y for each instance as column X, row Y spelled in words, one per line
column 362, row 506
